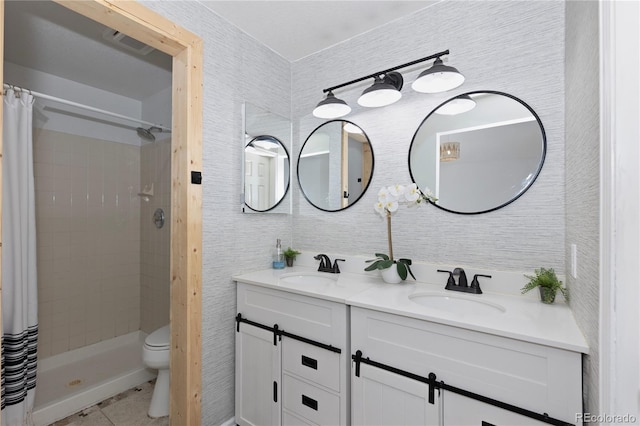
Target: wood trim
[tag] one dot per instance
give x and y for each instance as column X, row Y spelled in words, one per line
column 344, row 167
column 145, row 25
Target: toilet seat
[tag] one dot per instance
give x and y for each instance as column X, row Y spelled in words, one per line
column 158, row 340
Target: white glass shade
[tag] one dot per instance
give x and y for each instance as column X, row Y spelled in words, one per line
column 439, row 78
column 331, row 107
column 457, row 106
column 379, row 97
column 352, row 128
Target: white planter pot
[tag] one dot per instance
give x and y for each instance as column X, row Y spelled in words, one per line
column 390, row 275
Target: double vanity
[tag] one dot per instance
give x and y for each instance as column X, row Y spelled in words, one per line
column 317, row 348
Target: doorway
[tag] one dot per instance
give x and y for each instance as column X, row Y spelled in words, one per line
column 186, row 150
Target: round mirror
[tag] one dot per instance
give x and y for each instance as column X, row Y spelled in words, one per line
column 266, row 173
column 335, row 165
column 478, row 152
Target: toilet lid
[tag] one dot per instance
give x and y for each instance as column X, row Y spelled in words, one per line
column 158, row 338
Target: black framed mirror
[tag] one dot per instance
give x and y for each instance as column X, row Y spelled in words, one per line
column 478, row 152
column 266, row 173
column 335, row 165
column 266, row 164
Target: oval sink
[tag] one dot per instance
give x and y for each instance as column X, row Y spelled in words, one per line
column 312, row 280
column 456, row 304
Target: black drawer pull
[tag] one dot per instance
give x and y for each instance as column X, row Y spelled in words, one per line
column 310, row 402
column 309, row 362
column 487, row 424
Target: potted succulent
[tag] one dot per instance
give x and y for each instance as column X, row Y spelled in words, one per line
column 548, row 285
column 290, row 255
column 389, row 198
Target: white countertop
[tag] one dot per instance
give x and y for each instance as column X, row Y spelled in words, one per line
column 524, row 318
column 345, row 286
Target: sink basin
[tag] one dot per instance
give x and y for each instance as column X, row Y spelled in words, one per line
column 456, row 304
column 315, row 281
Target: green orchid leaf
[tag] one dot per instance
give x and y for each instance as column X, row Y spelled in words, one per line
column 373, row 266
column 402, row 270
column 383, row 256
column 384, row 264
column 407, row 262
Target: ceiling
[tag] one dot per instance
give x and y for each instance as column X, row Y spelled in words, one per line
column 45, row 36
column 295, row 29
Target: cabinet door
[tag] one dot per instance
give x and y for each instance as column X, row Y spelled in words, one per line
column 462, row 411
column 258, row 365
column 379, row 397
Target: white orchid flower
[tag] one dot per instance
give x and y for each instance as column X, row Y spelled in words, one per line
column 396, row 190
column 391, row 206
column 412, row 193
column 380, row 208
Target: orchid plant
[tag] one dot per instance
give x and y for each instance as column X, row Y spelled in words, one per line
column 389, row 200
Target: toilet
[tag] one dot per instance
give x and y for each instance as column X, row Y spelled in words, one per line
column 155, row 354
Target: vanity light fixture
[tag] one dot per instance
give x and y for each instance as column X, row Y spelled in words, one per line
column 462, row 103
column 438, row 78
column 449, row 151
column 384, row 91
column 331, row 107
column 387, row 85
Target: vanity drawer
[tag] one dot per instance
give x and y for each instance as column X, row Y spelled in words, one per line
column 313, row 363
column 290, row 419
column 312, row 403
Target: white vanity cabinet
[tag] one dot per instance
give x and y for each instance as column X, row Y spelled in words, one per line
column 292, row 359
column 536, row 378
column 381, row 397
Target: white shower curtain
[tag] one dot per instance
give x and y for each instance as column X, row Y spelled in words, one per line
column 19, row 277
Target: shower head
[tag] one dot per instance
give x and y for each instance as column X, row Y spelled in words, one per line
column 147, row 133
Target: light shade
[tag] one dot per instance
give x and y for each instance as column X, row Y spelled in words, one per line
column 383, row 92
column 462, row 103
column 438, row 78
column 331, row 107
column 449, row 151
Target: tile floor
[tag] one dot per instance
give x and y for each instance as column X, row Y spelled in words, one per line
column 126, row 409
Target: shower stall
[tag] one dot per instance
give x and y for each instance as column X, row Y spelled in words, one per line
column 103, row 265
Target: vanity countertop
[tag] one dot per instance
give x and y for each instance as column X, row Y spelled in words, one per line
column 523, row 318
column 344, row 287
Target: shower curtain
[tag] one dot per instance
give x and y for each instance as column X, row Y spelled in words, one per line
column 19, row 285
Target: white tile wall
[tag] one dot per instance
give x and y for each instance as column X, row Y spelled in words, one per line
column 88, row 226
column 155, row 168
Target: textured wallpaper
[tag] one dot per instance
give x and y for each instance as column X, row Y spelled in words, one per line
column 236, row 69
column 513, row 47
column 583, row 180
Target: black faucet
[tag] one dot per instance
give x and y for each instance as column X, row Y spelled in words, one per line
column 335, row 269
column 462, row 284
column 325, row 263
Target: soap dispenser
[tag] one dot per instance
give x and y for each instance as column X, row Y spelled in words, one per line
column 278, row 256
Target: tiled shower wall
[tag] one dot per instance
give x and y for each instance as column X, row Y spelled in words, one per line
column 155, row 168
column 88, row 231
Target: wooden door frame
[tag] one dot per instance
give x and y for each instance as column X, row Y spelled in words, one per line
column 150, row 28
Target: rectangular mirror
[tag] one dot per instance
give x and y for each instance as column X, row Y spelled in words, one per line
column 266, row 163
